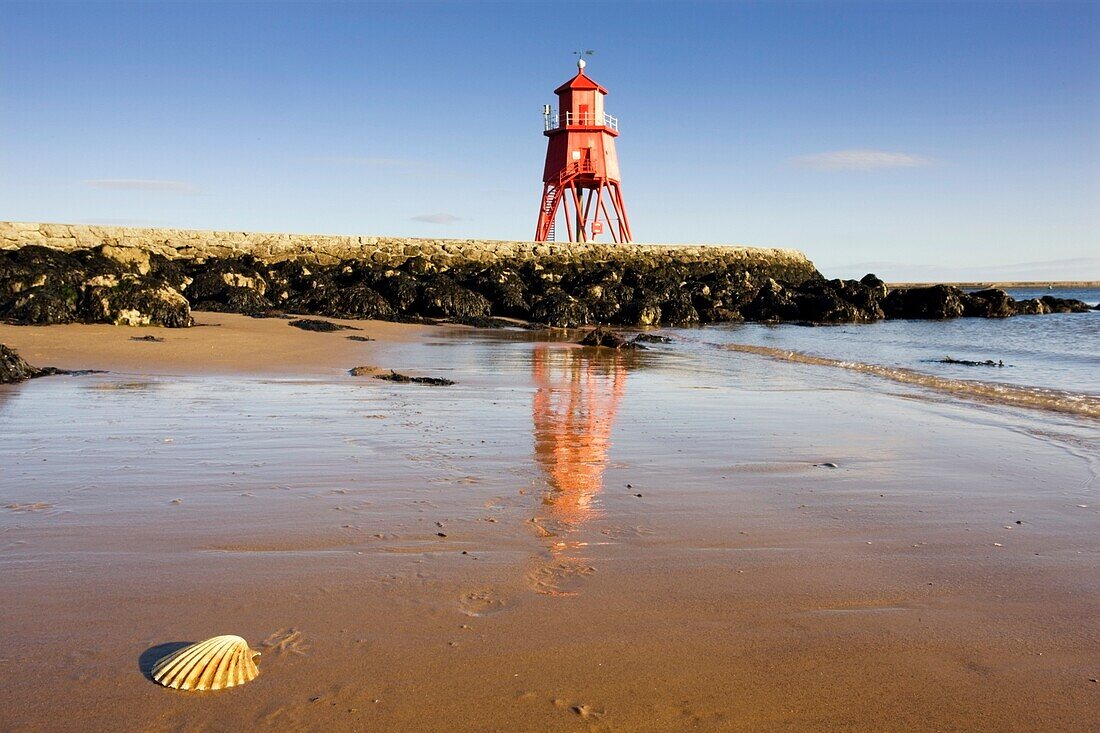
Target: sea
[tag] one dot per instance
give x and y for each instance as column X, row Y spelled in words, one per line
column 1046, row 362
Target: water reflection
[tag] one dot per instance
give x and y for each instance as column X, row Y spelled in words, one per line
column 577, row 396
column 7, row 394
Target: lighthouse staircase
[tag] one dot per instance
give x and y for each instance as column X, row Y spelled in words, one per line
column 550, row 201
column 548, row 205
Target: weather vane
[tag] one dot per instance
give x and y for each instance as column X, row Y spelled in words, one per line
column 580, row 57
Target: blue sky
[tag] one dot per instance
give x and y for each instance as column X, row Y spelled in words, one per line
column 919, row 140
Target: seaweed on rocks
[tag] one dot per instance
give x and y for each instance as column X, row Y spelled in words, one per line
column 236, row 299
column 442, row 297
column 1064, row 305
column 313, row 324
column 773, row 302
column 678, row 310
column 405, row 379
column 968, row 362
column 356, row 301
column 13, row 368
column 605, row 337
column 216, row 280
column 504, row 288
column 642, row 311
column 130, row 285
column 651, row 338
column 399, row 288
column 932, row 302
column 836, row 301
column 991, row 303
column 43, row 305
column 560, row 310
column 136, row 302
column 1030, row 307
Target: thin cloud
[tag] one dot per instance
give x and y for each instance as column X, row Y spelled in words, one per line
column 137, row 184
column 441, row 218
column 860, row 160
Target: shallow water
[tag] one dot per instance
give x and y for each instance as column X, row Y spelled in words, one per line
column 1055, row 358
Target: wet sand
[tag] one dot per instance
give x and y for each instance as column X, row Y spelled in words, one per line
column 630, row 542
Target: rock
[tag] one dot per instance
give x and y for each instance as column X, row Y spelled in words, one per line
column 405, row 379
column 1031, row 307
column 1065, row 305
column 236, row 300
column 462, row 282
column 362, row 371
column 135, row 259
column 442, row 297
column 651, row 338
column 399, row 288
column 875, row 285
column 678, row 310
column 150, row 338
column 600, row 336
column 772, row 302
column 42, row 305
column 359, row 338
column 643, row 312
column 834, row 301
column 136, row 303
column 505, row 290
column 420, row 265
column 313, row 324
column 213, row 278
column 357, row 301
column 14, row 369
column 991, row 303
column 933, row 302
column 561, row 310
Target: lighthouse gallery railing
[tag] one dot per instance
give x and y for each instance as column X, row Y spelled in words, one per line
column 569, row 119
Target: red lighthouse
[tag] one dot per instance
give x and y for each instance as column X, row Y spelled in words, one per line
column 581, row 165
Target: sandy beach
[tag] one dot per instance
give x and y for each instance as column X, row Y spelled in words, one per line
column 567, row 539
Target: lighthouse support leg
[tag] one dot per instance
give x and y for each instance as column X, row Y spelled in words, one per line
column 610, row 229
column 565, row 211
column 577, row 212
column 620, row 209
column 587, row 208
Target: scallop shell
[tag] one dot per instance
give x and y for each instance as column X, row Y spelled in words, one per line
column 224, row 661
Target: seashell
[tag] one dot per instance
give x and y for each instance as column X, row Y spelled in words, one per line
column 224, row 661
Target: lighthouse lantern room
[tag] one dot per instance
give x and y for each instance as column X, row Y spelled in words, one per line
column 581, row 176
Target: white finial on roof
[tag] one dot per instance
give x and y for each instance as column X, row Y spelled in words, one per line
column 580, row 64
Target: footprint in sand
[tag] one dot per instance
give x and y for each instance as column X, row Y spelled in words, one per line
column 626, row 532
column 481, row 603
column 286, row 641
column 559, row 578
column 582, row 710
column 540, row 529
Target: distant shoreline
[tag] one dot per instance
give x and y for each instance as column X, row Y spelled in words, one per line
column 1005, row 284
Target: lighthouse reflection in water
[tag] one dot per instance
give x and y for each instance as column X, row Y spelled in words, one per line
column 578, row 392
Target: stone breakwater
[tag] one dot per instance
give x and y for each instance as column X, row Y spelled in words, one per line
column 60, row 273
